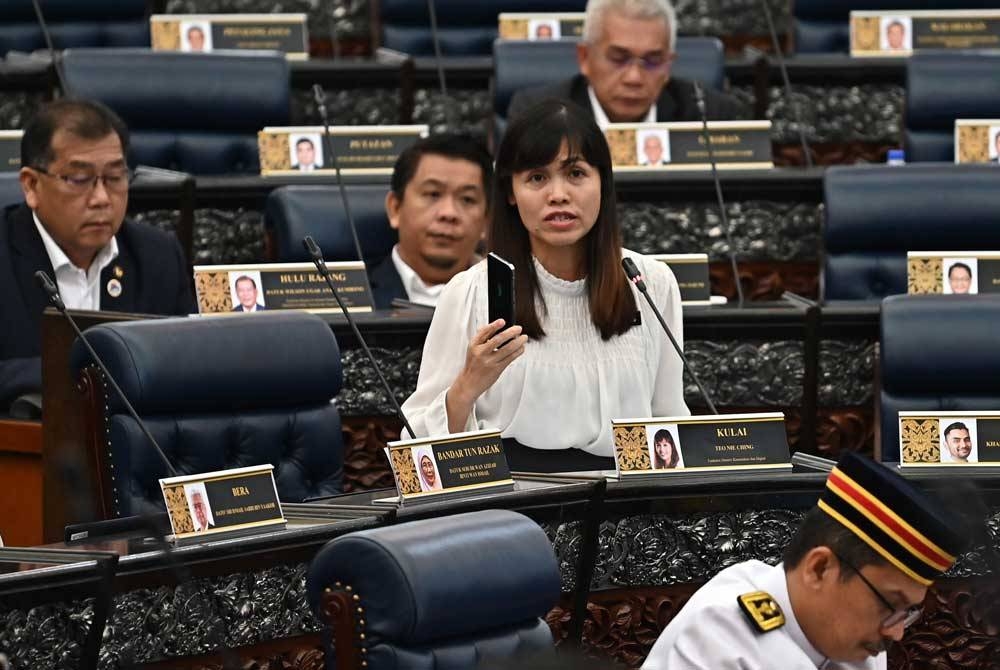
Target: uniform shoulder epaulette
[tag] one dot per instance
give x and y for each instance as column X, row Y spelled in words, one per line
column 762, row 610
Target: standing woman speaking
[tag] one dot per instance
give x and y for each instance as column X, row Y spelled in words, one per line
column 584, row 348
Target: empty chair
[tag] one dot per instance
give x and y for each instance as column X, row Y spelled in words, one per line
column 72, row 23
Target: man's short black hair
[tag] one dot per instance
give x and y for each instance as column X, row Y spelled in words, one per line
column 242, row 277
column 960, row 265
column 819, row 529
column 85, row 119
column 958, row 425
column 305, row 140
column 449, row 145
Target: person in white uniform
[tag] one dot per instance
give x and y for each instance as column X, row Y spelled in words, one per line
column 585, row 348
column 852, row 580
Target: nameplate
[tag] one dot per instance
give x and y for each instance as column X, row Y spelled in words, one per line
column 743, row 145
column 952, row 272
column 205, row 33
column 358, row 149
column 691, row 272
column 231, row 502
column 949, row 438
column 10, row 150
column 235, row 289
column 901, row 33
column 541, row 26
column 977, row 141
column 667, row 445
column 449, row 465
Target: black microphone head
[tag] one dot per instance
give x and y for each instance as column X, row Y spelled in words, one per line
column 319, row 95
column 699, row 96
column 312, row 248
column 630, row 268
column 50, row 288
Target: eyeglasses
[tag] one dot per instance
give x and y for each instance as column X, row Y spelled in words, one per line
column 621, row 60
column 907, row 617
column 116, row 181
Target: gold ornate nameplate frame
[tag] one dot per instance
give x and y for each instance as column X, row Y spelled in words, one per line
column 238, row 289
column 228, row 502
column 928, row 439
column 691, row 272
column 678, row 444
column 736, row 145
column 977, row 141
column 896, row 34
column 205, row 33
column 301, row 151
column 952, row 272
column 10, row 150
column 449, row 465
column 541, row 26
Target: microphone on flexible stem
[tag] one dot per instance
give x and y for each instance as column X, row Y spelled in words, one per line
column 632, row 272
column 778, row 54
column 700, row 95
column 317, row 256
column 56, row 63
column 436, row 39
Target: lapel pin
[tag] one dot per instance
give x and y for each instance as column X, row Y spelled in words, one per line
column 114, row 287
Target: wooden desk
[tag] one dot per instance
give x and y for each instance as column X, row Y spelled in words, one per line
column 21, row 483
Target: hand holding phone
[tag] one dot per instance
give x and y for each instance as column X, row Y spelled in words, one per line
column 500, row 284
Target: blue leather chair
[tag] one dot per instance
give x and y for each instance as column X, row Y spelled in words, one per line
column 464, row 28
column 216, row 393
column 74, row 23
column 292, row 212
column 438, row 594
column 875, row 214
column 941, row 88
column 938, row 353
column 195, row 113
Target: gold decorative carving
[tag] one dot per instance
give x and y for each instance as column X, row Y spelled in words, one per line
column 406, row 471
column 866, row 33
column 633, row 452
column 622, row 144
column 514, row 29
column 923, row 276
column 921, row 440
column 273, row 149
column 973, row 144
column 213, row 292
column 177, row 507
column 165, row 35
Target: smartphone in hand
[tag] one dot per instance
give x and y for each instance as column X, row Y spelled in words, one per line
column 500, row 283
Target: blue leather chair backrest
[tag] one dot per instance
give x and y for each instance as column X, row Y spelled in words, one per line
column 519, row 64
column 938, row 353
column 74, row 23
column 875, row 214
column 219, row 393
column 464, row 28
column 292, row 212
column 440, row 593
column 10, row 189
column 941, row 88
column 196, row 113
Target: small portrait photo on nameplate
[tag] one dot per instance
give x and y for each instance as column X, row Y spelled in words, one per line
column 653, row 147
column 238, row 289
column 949, row 438
column 540, row 27
column 205, row 33
column 302, row 150
column 952, row 272
column 665, row 445
column 902, row 33
column 896, row 34
column 743, row 145
column 228, row 502
column 692, row 274
column 449, row 465
column 977, row 141
column 10, row 150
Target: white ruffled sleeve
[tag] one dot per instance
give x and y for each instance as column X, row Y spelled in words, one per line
column 668, row 385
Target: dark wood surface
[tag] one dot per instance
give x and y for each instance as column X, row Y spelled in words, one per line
column 21, row 483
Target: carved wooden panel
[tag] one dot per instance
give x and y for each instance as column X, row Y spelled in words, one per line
column 766, row 280
column 365, row 464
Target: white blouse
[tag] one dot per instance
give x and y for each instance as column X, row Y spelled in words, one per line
column 565, row 389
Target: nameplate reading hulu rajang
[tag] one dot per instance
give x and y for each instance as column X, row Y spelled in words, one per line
column 949, row 438
column 205, row 33
column 952, row 272
column 302, row 150
column 901, row 33
column 735, row 145
column 459, row 463
column 665, row 445
column 239, row 289
column 540, row 27
column 977, row 141
column 691, row 272
column 230, row 502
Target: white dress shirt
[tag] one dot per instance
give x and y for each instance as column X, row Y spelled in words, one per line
column 417, row 290
column 602, row 119
column 80, row 289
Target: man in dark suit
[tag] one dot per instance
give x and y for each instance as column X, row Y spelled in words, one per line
column 246, row 292
column 438, row 202
column 625, row 58
column 72, row 226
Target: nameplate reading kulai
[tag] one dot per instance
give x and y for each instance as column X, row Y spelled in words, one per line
column 691, row 272
column 205, row 33
column 901, row 33
column 664, row 445
column 742, row 145
column 540, row 26
column 236, row 289
column 949, row 438
column 952, row 272
column 230, row 502
column 977, row 141
column 456, row 464
column 302, row 150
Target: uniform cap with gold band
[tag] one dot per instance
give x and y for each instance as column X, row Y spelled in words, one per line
column 906, row 526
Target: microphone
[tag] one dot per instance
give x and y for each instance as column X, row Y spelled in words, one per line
column 317, row 256
column 632, row 272
column 54, row 297
column 56, row 62
column 436, row 39
column 779, row 55
column 700, row 95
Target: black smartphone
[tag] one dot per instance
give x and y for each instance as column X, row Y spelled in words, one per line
column 500, row 283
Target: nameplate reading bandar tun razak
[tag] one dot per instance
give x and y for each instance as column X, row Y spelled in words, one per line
column 735, row 145
column 238, row 289
column 691, row 272
column 665, row 445
column 301, row 150
column 977, row 141
column 952, row 272
column 205, row 33
column 901, row 33
column 449, row 465
column 540, row 26
column 228, row 502
column 928, row 439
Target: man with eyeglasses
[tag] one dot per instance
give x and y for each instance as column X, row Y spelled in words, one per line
column 625, row 58
column 75, row 181
column 853, row 578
